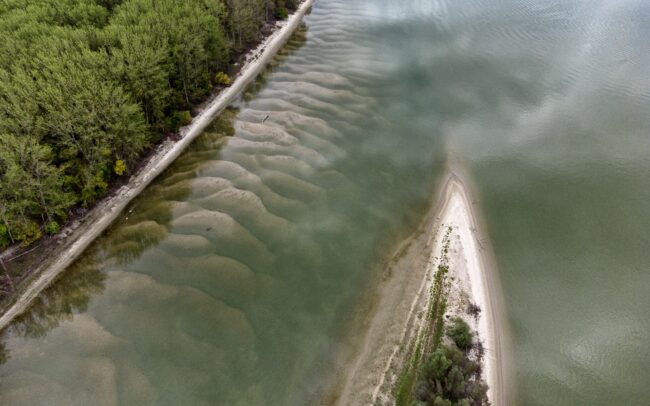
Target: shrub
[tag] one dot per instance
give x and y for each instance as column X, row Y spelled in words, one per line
column 179, row 119
column 94, row 188
column 119, row 168
column 281, row 13
column 26, row 231
column 184, row 117
column 421, row 392
column 437, row 365
column 222, row 78
column 5, row 238
column 473, row 309
column 460, row 333
column 477, row 390
column 455, row 382
column 291, row 4
column 453, row 354
column 438, row 401
column 52, row 227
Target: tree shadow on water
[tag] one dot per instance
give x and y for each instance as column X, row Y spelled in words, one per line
column 69, row 295
column 144, row 224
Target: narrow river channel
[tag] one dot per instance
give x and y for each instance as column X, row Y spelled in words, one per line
column 236, row 278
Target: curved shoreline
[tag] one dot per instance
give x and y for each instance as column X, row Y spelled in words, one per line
column 404, row 295
column 103, row 215
column 458, row 212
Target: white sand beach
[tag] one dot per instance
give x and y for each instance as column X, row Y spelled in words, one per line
column 472, row 270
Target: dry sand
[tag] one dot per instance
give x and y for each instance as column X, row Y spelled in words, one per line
column 404, row 293
column 79, row 236
column 474, row 279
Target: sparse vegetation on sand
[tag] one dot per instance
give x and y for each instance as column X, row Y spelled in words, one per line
column 443, row 365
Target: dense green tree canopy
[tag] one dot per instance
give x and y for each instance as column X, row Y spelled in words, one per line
column 86, row 86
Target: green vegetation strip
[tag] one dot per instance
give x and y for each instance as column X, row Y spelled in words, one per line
column 439, row 374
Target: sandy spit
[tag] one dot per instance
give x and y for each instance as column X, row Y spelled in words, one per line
column 403, row 295
column 473, row 267
column 80, row 236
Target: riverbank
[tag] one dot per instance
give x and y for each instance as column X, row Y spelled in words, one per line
column 400, row 313
column 78, row 236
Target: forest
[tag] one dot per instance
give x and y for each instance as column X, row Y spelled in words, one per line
column 88, row 86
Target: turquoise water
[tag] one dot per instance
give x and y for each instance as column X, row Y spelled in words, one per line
column 234, row 278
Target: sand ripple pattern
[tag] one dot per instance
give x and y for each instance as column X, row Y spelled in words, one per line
column 195, row 268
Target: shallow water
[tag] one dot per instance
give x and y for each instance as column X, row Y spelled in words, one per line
column 233, row 279
column 230, row 279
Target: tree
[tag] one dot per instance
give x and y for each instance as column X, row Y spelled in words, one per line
column 31, row 187
column 455, row 383
column 438, row 365
column 438, row 401
column 140, row 62
column 244, row 18
column 91, row 121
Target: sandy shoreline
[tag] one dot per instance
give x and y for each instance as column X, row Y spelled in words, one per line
column 472, row 265
column 404, row 295
column 80, row 236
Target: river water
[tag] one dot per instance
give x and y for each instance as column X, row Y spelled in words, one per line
column 237, row 276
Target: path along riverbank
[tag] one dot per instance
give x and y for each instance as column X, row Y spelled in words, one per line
column 403, row 297
column 103, row 215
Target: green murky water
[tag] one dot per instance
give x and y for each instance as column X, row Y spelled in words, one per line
column 232, row 279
